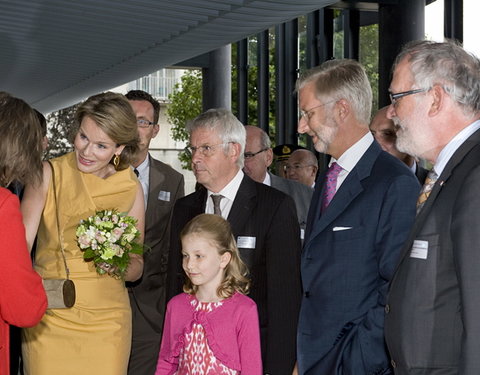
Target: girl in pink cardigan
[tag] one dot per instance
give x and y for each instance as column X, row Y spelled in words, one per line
column 213, row 327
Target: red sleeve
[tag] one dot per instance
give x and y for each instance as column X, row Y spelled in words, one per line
column 22, row 297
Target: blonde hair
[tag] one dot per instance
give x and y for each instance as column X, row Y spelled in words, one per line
column 20, row 143
column 114, row 115
column 218, row 230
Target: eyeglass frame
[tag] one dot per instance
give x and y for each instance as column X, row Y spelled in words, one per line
column 305, row 114
column 249, row 155
column 146, row 122
column 394, row 97
column 206, row 150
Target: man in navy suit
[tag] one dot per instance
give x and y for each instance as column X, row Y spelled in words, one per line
column 353, row 240
column 264, row 223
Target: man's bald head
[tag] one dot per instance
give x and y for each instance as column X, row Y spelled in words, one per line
column 302, row 166
column 258, row 153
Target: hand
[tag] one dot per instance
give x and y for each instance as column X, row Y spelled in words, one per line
column 108, row 268
column 295, row 370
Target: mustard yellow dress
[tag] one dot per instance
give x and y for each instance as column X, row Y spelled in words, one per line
column 94, row 336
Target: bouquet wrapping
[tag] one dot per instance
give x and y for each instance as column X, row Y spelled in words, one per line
column 108, row 238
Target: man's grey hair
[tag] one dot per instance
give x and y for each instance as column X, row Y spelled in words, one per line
column 341, row 79
column 228, row 128
column 446, row 64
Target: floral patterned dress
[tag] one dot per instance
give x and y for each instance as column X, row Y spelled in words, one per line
column 196, row 357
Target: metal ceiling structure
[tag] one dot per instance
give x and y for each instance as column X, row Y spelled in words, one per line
column 54, row 53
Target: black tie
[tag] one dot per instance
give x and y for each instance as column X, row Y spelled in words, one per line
column 135, row 170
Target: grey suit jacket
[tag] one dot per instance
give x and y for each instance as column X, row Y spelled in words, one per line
column 147, row 295
column 301, row 194
column 432, row 323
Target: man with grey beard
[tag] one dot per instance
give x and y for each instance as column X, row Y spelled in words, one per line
column 360, row 215
column 432, row 323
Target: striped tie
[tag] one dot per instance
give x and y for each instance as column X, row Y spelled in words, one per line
column 426, row 189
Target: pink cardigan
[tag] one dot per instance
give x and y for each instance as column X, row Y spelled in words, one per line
column 232, row 332
column 22, row 298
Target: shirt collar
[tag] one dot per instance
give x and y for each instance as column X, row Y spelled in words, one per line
column 414, row 167
column 143, row 166
column 452, row 146
column 350, row 158
column 267, row 180
column 230, row 190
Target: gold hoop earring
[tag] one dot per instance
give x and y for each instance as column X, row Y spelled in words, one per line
column 116, row 161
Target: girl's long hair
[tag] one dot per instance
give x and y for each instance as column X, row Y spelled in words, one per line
column 218, row 230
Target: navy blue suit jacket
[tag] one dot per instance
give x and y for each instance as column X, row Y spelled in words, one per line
column 349, row 255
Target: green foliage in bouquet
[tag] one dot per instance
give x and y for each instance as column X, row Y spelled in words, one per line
column 108, row 238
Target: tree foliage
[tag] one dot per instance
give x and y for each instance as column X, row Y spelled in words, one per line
column 186, row 100
column 185, row 105
column 252, row 82
column 369, row 58
column 60, row 128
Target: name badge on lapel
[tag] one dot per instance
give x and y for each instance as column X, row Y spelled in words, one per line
column 419, row 249
column 245, row 242
column 164, row 196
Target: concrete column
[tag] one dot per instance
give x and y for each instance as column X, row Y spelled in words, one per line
column 242, row 81
column 217, row 79
column 398, row 24
column 453, row 25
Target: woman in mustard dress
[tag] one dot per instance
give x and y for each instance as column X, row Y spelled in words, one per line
column 92, row 337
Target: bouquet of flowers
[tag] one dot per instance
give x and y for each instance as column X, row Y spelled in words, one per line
column 107, row 238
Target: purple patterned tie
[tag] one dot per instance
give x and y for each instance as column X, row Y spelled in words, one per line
column 330, row 184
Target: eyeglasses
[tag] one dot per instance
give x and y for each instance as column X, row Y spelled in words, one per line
column 307, row 115
column 396, row 96
column 205, row 150
column 142, row 123
column 295, row 167
column 249, row 155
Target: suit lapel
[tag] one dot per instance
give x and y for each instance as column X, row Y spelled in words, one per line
column 348, row 191
column 200, row 202
column 456, row 159
column 242, row 205
column 155, row 181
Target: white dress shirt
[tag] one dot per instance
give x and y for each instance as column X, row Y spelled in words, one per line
column 267, row 180
column 229, row 193
column 144, row 176
column 350, row 158
column 452, row 146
